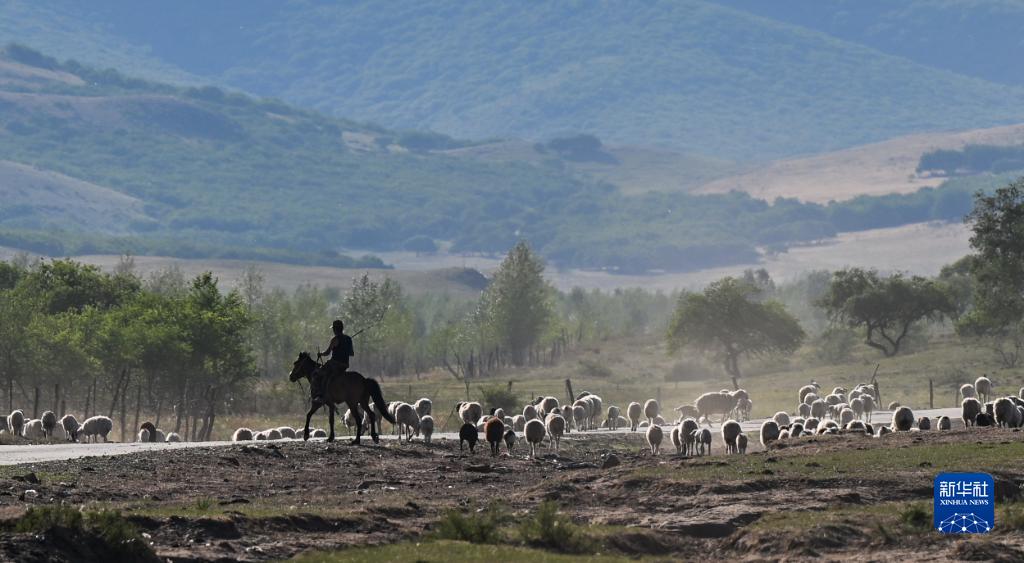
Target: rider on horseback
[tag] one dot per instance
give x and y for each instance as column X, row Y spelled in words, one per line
column 340, row 350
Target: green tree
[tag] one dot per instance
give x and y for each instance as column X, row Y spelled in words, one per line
column 885, row 307
column 517, row 303
column 727, row 321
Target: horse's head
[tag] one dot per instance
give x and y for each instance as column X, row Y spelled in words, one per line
column 304, row 366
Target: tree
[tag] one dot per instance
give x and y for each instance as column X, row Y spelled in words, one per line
column 885, row 307
column 517, row 304
column 728, row 322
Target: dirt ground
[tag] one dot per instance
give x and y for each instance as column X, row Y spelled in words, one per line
column 808, row 499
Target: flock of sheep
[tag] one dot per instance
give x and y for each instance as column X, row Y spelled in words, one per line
column 46, row 426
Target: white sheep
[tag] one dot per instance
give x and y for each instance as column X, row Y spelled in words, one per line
column 16, row 422
column 470, row 412
column 902, row 419
column 741, row 443
column 784, row 434
column 967, row 391
column 804, row 409
column 174, row 437
column 427, row 427
column 730, row 431
column 529, row 413
column 319, row 433
column 769, row 432
column 868, row 404
column 49, row 419
column 704, row 442
column 580, row 415
column 811, row 424
column 686, row 429
column 143, row 435
column 654, row 437
column 710, row 404
column 651, row 410
column 547, row 406
column 944, row 423
column 633, row 412
column 1005, row 411
column 677, row 440
column 407, row 421
column 970, row 408
column 857, row 406
column 613, row 417
column 819, row 409
column 100, row 426
column 555, row 424
column 983, row 387
column 242, row 435
column 596, row 406
column 286, row 432
column 687, row 411
column 534, row 432
column 846, row 415
column 781, row 418
column 1021, row 393
column 70, row 425
column 271, row 434
column 882, row 431
column 519, row 422
column 807, row 390
column 34, row 430
column 423, row 407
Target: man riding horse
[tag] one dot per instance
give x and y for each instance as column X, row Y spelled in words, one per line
column 340, row 350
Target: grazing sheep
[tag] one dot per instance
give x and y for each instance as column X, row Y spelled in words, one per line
column 596, row 406
column 470, row 412
column 811, row 424
column 519, row 422
column 556, row 428
column 49, row 419
column 286, row 432
column 319, row 433
column 687, row 411
column 654, row 436
column 510, row 440
column 769, row 432
column 741, row 443
column 883, row 430
column 983, row 387
column 147, row 432
column 970, row 408
column 633, row 412
column 806, row 390
column 677, row 441
column 529, row 413
column 796, row 430
column 659, row 420
column 944, row 423
column 819, row 409
column 924, row 423
column 96, row 426
column 427, row 427
column 894, row 405
column 499, row 412
column 144, row 435
column 984, row 419
column 784, row 434
column 781, row 418
column 494, row 432
column 613, row 417
column 857, row 406
column 468, row 434
column 744, row 408
column 242, row 435
column 651, row 410
column 262, row 435
column 547, row 406
column 1021, row 393
column 804, row 409
column 967, row 391
column 730, row 431
column 686, row 429
column 902, row 419
column 834, row 399
column 710, row 404
column 580, row 416
column 868, row 404
column 423, row 407
column 16, row 422
column 856, row 426
column 272, row 434
column 34, row 430
column 70, row 424
column 407, row 421
column 846, row 416
column 704, row 442
column 535, row 433
column 809, row 398
column 173, row 437
column 1005, row 411
column 644, row 425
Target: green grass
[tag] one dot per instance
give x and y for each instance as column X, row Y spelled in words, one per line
column 443, row 551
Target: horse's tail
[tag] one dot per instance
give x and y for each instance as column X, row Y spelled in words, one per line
column 378, row 399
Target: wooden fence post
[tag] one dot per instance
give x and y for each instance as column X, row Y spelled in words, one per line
column 931, row 394
column 568, row 389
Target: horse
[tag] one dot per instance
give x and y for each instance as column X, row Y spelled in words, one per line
column 350, row 388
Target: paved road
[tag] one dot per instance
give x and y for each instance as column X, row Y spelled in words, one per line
column 13, row 455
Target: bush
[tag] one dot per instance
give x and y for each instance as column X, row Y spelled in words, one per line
column 552, row 530
column 592, row 368
column 481, row 528
column 916, row 517
column 40, row 519
column 119, row 539
column 500, row 397
column 835, row 345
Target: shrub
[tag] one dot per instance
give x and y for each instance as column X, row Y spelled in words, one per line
column 552, row 530
column 1012, row 516
column 915, row 516
column 835, row 345
column 498, row 396
column 480, row 528
column 40, row 519
column 592, row 368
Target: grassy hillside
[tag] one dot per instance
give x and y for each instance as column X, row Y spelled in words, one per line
column 692, row 75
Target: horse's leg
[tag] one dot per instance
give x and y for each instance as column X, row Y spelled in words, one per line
column 359, row 422
column 309, row 415
column 330, row 418
column 374, row 425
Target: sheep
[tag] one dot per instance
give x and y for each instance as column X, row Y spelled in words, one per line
column 781, row 418
column 556, row 428
column 868, row 404
column 242, row 435
column 173, row 437
column 470, row 412
column 633, row 412
column 969, row 409
column 500, row 413
column 983, row 387
column 34, row 429
column 70, row 424
column 944, row 423
column 494, row 432
column 262, row 435
column 654, row 436
column 846, row 416
column 1005, row 411
column 49, row 419
column 855, row 426
column 796, row 430
column 686, row 429
column 651, row 410
column 769, row 432
column 143, row 435
column 811, row 424
column 407, row 421
column 16, row 422
column 272, row 434
column 580, row 416
column 806, row 390
column 424, row 407
column 743, row 408
column 286, row 432
column 784, row 434
column 857, row 406
column 319, row 433
column 819, row 409
column 984, row 419
column 534, row 432
column 644, row 425
column 597, row 405
column 1020, row 416
column 804, row 409
column 704, row 442
column 741, row 443
column 529, row 412
column 677, row 441
column 967, row 391
column 730, row 431
column 547, row 405
column 687, row 411
column 97, row 426
column 924, row 423
column 809, row 398
column 894, row 405
column 989, row 408
column 147, row 432
column 468, row 434
column 902, row 419
column 613, row 417
column 1021, row 393
column 868, row 429
column 519, row 422
column 427, row 427
column 834, row 399
column 710, row 404
column 882, row 431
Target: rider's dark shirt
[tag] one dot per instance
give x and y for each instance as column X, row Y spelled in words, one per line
column 342, row 349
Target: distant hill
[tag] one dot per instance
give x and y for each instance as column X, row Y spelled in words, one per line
column 691, row 75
